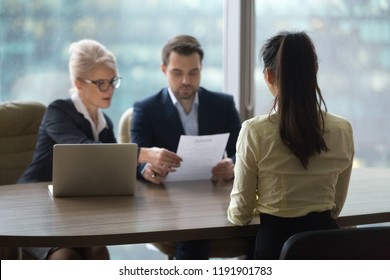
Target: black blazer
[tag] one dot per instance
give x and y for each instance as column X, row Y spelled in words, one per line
column 61, row 124
column 156, row 122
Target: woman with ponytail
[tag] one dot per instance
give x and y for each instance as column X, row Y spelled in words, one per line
column 293, row 165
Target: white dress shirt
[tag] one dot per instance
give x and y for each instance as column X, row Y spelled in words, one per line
column 189, row 121
column 80, row 107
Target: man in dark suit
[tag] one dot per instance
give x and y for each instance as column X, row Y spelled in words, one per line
column 184, row 108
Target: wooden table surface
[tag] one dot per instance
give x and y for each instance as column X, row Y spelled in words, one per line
column 368, row 200
column 177, row 211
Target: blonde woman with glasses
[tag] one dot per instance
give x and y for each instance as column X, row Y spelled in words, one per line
column 79, row 119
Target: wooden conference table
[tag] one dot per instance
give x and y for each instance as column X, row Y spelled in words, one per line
column 177, row 211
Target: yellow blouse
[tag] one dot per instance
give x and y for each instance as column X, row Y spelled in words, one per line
column 270, row 179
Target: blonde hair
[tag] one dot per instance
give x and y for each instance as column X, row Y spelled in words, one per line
column 85, row 55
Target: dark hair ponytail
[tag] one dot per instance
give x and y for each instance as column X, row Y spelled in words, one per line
column 293, row 61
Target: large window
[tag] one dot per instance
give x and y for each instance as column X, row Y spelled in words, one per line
column 352, row 39
column 353, row 44
column 35, row 37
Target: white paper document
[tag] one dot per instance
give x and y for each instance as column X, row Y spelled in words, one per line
column 200, row 154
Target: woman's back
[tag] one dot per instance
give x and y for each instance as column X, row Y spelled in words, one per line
column 292, row 166
column 285, row 187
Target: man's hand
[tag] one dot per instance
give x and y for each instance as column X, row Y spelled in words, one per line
column 160, row 163
column 224, row 170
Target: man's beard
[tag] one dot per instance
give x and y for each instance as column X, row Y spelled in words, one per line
column 186, row 92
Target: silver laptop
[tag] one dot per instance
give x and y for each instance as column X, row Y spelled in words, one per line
column 94, row 169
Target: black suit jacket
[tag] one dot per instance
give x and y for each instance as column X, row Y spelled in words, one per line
column 61, row 124
column 156, row 121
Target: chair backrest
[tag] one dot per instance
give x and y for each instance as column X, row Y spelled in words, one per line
column 368, row 243
column 125, row 126
column 19, row 125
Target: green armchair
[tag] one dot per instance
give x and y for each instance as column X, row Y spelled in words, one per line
column 19, row 124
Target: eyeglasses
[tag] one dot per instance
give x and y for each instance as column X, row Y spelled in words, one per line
column 104, row 85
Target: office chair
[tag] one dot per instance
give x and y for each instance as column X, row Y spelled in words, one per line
column 219, row 248
column 125, row 125
column 19, row 125
column 368, row 243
